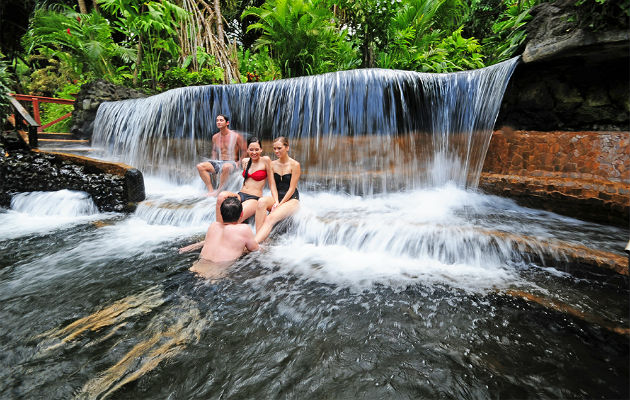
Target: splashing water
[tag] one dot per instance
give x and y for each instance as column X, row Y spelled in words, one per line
column 63, row 203
column 401, row 128
column 396, row 279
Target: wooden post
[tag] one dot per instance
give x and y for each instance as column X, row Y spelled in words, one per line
column 32, row 124
column 36, row 114
column 32, row 136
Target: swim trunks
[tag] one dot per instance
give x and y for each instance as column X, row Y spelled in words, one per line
column 218, row 164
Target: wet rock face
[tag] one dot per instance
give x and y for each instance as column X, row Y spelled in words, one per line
column 575, row 72
column 564, row 29
column 581, row 174
column 568, row 95
column 91, row 96
column 22, row 170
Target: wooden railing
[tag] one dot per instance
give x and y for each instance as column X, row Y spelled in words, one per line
column 34, row 122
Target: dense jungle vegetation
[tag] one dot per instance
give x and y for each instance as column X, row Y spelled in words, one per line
column 52, row 47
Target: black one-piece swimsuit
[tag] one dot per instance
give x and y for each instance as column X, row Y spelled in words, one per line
column 282, row 184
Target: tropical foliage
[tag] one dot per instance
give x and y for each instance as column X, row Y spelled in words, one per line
column 82, row 41
column 258, row 66
column 5, row 84
column 156, row 45
column 150, row 27
column 160, row 44
column 509, row 31
column 422, row 37
column 301, row 37
column 51, row 111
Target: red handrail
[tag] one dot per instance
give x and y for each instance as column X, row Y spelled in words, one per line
column 41, row 99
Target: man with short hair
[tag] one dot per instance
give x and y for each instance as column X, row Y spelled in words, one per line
column 226, row 241
column 228, row 149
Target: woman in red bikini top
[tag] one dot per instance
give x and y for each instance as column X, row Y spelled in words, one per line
column 256, row 169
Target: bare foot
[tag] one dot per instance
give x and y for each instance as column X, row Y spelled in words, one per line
column 213, row 193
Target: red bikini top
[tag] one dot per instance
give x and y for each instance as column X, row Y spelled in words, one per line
column 258, row 175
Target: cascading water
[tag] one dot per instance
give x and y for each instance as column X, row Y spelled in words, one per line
column 403, row 128
column 396, row 279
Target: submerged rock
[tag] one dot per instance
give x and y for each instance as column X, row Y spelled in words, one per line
column 112, row 186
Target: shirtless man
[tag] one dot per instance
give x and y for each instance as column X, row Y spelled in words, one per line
column 228, row 148
column 225, row 241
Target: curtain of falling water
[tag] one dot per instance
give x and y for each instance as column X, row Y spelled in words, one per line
column 362, row 130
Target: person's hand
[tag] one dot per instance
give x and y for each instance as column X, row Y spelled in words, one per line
column 275, row 205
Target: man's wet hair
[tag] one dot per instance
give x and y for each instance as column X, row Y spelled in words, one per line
column 231, row 209
column 225, row 117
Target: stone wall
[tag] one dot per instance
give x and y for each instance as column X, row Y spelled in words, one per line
column 575, row 72
column 581, row 174
column 112, row 186
column 88, row 99
column 570, row 95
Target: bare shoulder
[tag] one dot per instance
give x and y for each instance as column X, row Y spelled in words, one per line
column 244, row 229
column 215, row 226
column 238, row 135
column 244, row 162
column 266, row 159
column 294, row 163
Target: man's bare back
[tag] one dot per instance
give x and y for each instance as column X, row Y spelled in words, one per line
column 226, row 241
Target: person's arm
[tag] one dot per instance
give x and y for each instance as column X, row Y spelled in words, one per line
column 271, row 181
column 296, row 170
column 250, row 242
column 215, row 154
column 192, row 247
column 241, row 147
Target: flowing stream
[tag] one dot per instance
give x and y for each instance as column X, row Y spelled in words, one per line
column 396, row 279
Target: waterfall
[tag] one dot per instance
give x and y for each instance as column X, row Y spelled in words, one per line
column 362, row 130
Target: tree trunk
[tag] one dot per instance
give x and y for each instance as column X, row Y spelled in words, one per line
column 139, row 55
column 82, row 7
column 219, row 17
column 138, row 61
column 95, row 5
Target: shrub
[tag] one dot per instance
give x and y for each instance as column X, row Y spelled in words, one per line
column 179, row 77
column 258, row 66
column 5, row 88
column 51, row 111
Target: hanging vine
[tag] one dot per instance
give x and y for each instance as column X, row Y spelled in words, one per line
column 204, row 30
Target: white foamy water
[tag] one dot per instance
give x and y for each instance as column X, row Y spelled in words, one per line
column 442, row 235
column 395, row 239
column 41, row 212
column 62, row 203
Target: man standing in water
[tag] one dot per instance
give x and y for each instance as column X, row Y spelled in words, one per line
column 224, row 242
column 228, row 148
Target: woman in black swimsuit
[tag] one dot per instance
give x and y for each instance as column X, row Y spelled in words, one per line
column 286, row 173
column 256, row 169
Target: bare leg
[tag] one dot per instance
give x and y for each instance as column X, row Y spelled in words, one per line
column 263, row 206
column 249, row 209
column 222, row 196
column 281, row 212
column 205, row 169
column 226, row 170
